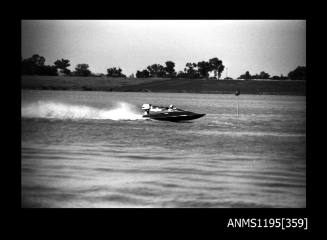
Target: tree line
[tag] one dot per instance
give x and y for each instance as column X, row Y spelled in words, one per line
column 35, row 65
column 299, row 73
column 191, row 70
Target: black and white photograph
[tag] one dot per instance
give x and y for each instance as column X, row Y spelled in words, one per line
column 163, row 113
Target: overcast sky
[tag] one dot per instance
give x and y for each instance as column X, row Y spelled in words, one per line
column 273, row 46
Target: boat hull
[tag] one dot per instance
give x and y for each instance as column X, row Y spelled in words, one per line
column 174, row 116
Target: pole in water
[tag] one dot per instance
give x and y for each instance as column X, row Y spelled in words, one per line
column 237, row 105
column 237, row 93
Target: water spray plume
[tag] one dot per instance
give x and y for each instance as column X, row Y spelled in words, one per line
column 41, row 109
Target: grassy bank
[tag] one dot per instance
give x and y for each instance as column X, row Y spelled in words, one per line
column 283, row 87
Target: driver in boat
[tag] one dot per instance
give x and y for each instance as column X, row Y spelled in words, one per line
column 171, row 108
column 147, row 111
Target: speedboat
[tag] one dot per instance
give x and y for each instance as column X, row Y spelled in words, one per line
column 168, row 113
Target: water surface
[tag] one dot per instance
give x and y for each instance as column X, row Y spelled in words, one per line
column 93, row 149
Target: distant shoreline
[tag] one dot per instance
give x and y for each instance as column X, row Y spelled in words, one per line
column 206, row 86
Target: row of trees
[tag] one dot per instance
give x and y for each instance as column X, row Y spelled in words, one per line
column 191, row 70
column 297, row 74
column 35, row 65
column 157, row 70
column 247, row 76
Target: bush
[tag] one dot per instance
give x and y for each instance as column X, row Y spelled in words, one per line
column 298, row 74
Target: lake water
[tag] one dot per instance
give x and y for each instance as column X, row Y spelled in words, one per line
column 93, row 149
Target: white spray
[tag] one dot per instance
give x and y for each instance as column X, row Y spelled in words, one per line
column 41, row 109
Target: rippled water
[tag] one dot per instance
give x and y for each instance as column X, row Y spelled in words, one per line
column 93, row 149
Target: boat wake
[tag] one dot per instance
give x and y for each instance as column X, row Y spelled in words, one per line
column 42, row 109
